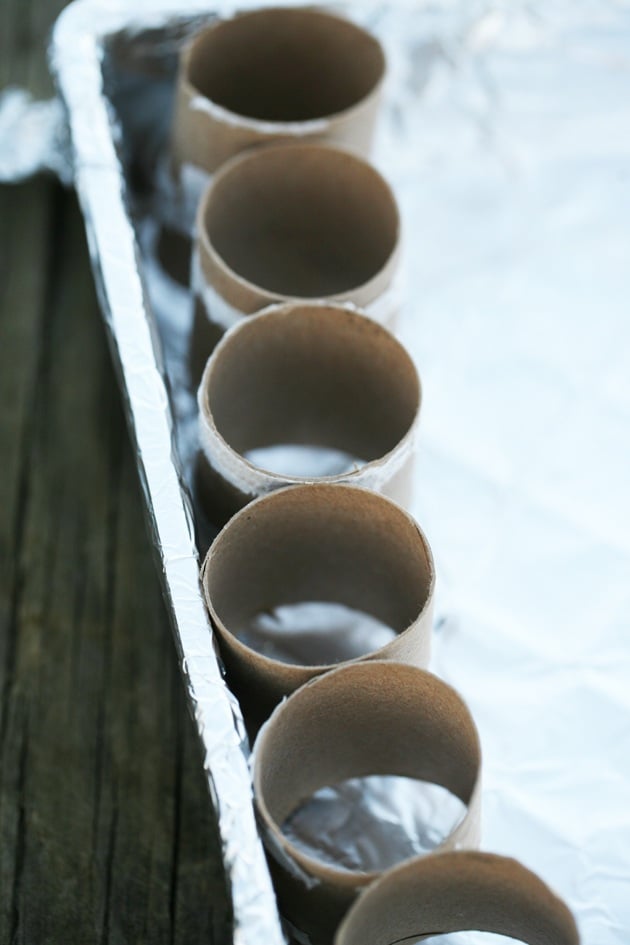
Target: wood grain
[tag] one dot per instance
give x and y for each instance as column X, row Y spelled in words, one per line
column 106, row 827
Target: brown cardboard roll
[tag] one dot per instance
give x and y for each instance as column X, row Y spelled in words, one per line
column 456, row 892
column 297, row 222
column 306, row 375
column 273, row 75
column 317, row 543
column 362, row 719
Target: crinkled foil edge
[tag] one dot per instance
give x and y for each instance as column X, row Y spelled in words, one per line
column 76, row 57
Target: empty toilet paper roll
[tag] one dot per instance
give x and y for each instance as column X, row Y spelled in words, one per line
column 307, row 548
column 361, row 719
column 267, row 76
column 321, row 379
column 296, row 222
column 458, row 891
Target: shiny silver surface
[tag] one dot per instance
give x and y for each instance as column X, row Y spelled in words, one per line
column 84, row 35
column 506, row 133
column 33, row 137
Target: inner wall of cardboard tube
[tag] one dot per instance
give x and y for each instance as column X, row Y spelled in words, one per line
column 320, row 543
column 363, row 719
column 312, row 375
column 285, row 65
column 302, row 221
column 458, row 891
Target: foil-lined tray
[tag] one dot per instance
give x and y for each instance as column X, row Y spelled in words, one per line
column 505, row 133
column 103, row 54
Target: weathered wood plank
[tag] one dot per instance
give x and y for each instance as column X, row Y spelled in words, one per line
column 24, row 31
column 106, row 832
column 105, row 819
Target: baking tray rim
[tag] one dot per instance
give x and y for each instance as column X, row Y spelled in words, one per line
column 76, row 60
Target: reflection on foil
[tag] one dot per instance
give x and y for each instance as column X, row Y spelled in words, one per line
column 309, row 462
column 369, row 824
column 172, row 305
column 33, row 137
column 315, row 633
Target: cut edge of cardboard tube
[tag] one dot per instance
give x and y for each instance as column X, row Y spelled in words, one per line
column 361, row 719
column 308, row 74
column 316, row 374
column 317, row 542
column 455, row 892
column 297, row 184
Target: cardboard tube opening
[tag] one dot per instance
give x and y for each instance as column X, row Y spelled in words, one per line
column 316, row 375
column 301, row 221
column 285, row 65
column 362, row 719
column 365, row 718
column 324, row 544
column 458, row 891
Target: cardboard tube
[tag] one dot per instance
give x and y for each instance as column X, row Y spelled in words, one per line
column 362, row 719
column 315, row 374
column 456, row 892
column 299, row 222
column 316, row 543
column 273, row 75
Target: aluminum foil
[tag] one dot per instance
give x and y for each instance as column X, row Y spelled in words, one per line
column 506, row 134
column 33, row 137
column 370, row 824
column 100, row 51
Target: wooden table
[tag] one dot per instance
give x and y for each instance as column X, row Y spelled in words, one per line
column 106, row 831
